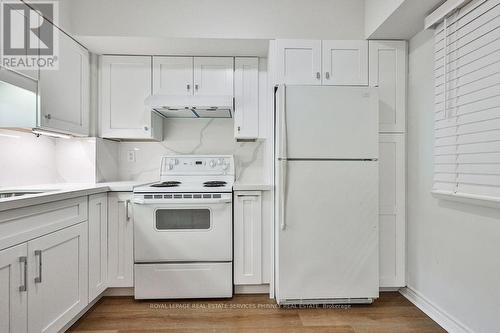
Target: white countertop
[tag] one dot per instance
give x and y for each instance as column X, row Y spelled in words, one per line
column 62, row 191
column 251, row 187
column 124, row 186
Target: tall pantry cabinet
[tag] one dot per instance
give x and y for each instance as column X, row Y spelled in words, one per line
column 387, row 71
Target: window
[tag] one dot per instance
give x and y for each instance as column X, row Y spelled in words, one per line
column 467, row 100
column 182, row 219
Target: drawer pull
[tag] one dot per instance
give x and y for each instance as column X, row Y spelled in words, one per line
column 24, row 262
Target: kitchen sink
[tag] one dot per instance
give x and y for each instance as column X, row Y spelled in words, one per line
column 4, row 195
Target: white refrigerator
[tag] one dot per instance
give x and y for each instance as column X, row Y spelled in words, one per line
column 326, row 204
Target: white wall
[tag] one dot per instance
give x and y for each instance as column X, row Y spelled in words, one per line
column 453, row 248
column 396, row 19
column 377, row 11
column 265, row 19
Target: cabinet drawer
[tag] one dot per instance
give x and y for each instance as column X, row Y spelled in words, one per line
column 187, row 280
column 20, row 225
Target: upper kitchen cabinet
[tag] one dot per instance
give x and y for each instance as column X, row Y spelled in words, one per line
column 388, row 73
column 173, row 76
column 213, row 76
column 316, row 62
column 246, row 98
column 345, row 62
column 298, row 61
column 186, row 76
column 125, row 83
column 64, row 92
column 19, row 17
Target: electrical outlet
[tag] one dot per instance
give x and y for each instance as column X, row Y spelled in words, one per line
column 131, row 156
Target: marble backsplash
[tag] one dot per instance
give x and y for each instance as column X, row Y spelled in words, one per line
column 182, row 136
column 30, row 160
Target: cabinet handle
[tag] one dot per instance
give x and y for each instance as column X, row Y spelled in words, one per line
column 247, row 195
column 24, row 262
column 38, row 253
column 196, row 87
column 318, row 75
column 188, row 86
column 327, row 75
column 48, row 116
column 239, row 128
column 127, row 204
column 146, row 128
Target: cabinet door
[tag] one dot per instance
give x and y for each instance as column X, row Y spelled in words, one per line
column 299, row 61
column 248, row 238
column 173, row 76
column 98, row 244
column 345, row 62
column 57, row 278
column 125, row 84
column 64, row 93
column 388, row 73
column 120, row 240
column 13, row 292
column 392, row 210
column 213, row 76
column 18, row 17
column 246, row 98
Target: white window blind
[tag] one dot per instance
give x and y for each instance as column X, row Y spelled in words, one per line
column 467, row 100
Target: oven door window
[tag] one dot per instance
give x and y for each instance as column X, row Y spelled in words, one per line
column 182, row 219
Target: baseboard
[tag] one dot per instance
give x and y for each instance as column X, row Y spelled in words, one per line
column 119, row 292
column 386, row 289
column 252, row 289
column 445, row 320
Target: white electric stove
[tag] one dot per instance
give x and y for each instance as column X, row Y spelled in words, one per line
column 183, row 229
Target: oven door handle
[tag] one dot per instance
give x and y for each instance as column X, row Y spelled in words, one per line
column 181, row 201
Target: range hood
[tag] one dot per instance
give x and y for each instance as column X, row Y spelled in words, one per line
column 173, row 106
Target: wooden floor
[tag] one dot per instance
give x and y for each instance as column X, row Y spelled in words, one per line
column 252, row 313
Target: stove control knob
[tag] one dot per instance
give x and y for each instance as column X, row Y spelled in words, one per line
column 170, row 167
column 212, row 163
column 219, row 161
column 176, row 161
column 225, row 166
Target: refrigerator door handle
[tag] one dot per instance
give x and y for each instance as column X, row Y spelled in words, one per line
column 283, row 153
column 284, row 169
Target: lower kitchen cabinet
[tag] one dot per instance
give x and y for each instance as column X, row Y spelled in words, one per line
column 120, row 240
column 57, row 278
column 248, row 237
column 13, row 291
column 392, row 210
column 98, row 244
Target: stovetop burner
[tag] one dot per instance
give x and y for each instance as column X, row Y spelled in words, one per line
column 214, row 184
column 167, row 184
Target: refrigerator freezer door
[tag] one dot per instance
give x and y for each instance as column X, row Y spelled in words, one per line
column 327, row 247
column 331, row 122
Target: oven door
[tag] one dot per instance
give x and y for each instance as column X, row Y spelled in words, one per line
column 183, row 231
